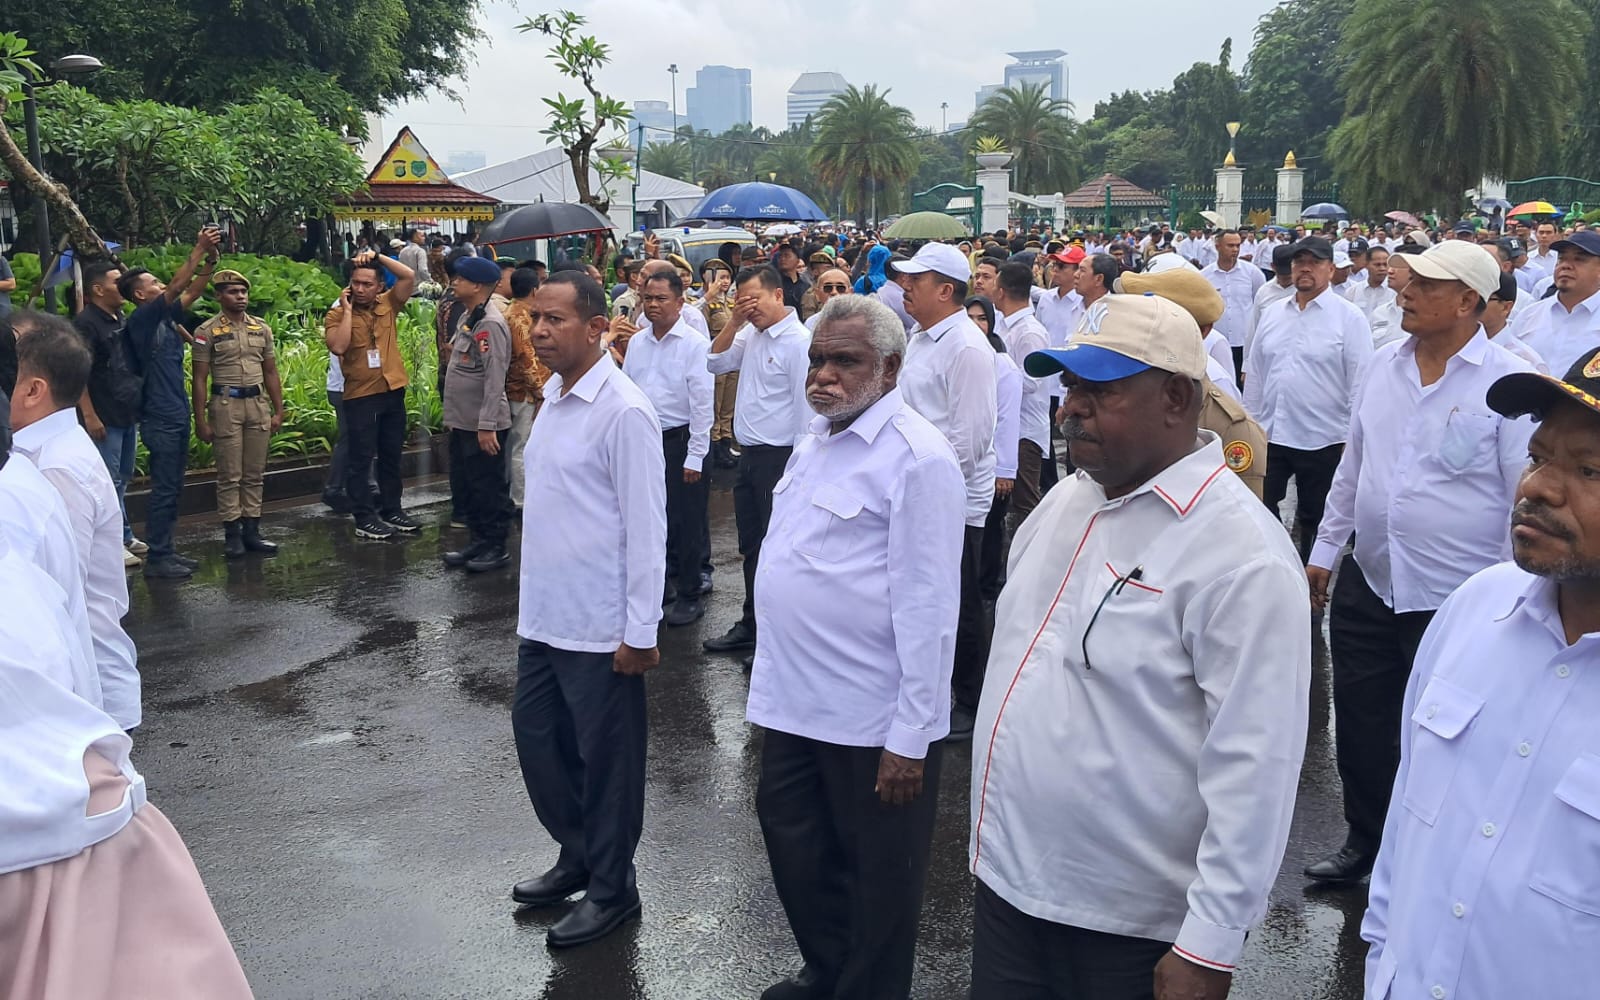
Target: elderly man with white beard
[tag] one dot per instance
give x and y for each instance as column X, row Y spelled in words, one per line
column 857, row 618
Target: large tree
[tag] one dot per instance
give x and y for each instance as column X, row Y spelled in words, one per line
column 1425, row 123
column 1034, row 126
column 1295, row 77
column 1203, row 99
column 863, row 144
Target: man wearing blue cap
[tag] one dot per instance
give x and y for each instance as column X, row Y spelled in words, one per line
column 1566, row 326
column 1144, row 713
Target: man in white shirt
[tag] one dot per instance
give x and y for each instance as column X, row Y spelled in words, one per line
column 1485, row 884
column 829, row 283
column 52, row 369
column 667, row 359
column 1566, row 326
column 1144, row 717
column 593, row 557
column 948, row 377
column 1544, row 258
column 1373, row 292
column 852, row 676
column 1497, row 320
column 1060, row 307
column 1280, row 287
column 766, row 345
column 1023, row 334
column 1301, row 376
column 1238, row 284
column 1426, row 486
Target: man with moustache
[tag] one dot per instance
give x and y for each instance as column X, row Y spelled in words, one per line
column 829, row 283
column 1566, row 326
column 1485, row 885
column 852, row 674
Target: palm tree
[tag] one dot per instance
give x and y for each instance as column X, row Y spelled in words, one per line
column 1035, row 127
column 669, row 159
column 863, row 143
column 1427, row 122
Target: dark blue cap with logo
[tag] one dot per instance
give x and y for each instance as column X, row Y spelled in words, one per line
column 1586, row 240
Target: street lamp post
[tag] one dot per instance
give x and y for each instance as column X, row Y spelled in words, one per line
column 673, row 69
column 944, row 120
column 69, row 65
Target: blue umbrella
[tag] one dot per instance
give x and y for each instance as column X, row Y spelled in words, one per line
column 1325, row 210
column 1490, row 204
column 61, row 272
column 757, row 201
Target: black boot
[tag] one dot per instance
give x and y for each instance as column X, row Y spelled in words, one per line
column 233, row 539
column 253, row 541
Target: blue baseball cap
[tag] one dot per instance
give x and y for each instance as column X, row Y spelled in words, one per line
column 1586, row 240
column 1123, row 335
column 478, row 270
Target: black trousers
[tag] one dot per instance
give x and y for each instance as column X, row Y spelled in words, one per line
column 485, row 495
column 1313, row 474
column 1238, row 366
column 1020, row 957
column 1049, row 474
column 580, row 732
column 972, row 631
column 760, row 468
column 1373, row 649
column 377, row 431
column 688, row 530
column 849, row 869
column 992, row 560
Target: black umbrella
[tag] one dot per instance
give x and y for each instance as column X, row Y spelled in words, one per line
column 543, row 221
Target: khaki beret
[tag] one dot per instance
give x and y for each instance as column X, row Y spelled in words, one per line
column 1184, row 286
column 676, row 261
column 229, row 277
column 820, row 258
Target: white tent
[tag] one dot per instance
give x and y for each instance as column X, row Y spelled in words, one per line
column 547, row 176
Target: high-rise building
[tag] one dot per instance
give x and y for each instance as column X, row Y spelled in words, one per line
column 656, row 117
column 810, row 92
column 719, row 99
column 1046, row 66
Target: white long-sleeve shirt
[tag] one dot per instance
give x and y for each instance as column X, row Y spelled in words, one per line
column 1267, row 294
column 1238, row 287
column 1059, row 314
column 1559, row 335
column 771, row 406
column 1486, row 886
column 672, row 372
column 1303, row 369
column 1428, row 476
column 1147, row 788
column 64, row 455
column 1008, row 416
column 948, row 377
column 594, row 546
column 855, row 609
column 1023, row 334
column 1368, row 298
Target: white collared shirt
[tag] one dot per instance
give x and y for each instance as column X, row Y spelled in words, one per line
column 771, row 406
column 47, row 729
column 594, row 542
column 1386, row 324
column 1223, row 377
column 1238, row 287
column 34, row 525
column 1267, row 294
column 948, row 377
column 1219, row 350
column 1303, row 370
column 893, row 296
column 1059, row 315
column 1023, row 334
column 1148, row 790
column 1008, row 416
column 64, row 455
column 672, row 372
column 855, row 609
column 1428, row 477
column 1544, row 261
column 1485, row 887
column 1368, row 298
column 1559, row 336
column 1505, row 338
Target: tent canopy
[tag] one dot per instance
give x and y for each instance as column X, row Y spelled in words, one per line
column 547, row 176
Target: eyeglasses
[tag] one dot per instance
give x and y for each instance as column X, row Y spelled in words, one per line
column 1116, row 587
column 836, row 288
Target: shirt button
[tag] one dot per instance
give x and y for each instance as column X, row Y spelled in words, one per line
column 1524, row 748
column 1438, row 993
column 1563, row 670
column 1459, row 910
column 1433, row 710
column 1488, row 829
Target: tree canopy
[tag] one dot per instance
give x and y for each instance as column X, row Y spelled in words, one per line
column 864, row 142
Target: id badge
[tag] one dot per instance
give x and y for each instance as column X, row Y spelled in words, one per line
column 373, row 359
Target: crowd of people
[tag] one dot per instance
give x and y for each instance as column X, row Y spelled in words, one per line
column 1028, row 493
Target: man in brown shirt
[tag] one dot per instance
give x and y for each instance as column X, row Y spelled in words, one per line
column 361, row 330
column 524, row 379
column 716, row 277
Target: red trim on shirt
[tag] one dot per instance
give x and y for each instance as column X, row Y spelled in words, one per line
column 1208, row 963
column 983, row 792
column 1185, row 508
column 1133, row 583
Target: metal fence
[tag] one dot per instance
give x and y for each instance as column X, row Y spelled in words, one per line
column 1558, row 190
column 939, row 197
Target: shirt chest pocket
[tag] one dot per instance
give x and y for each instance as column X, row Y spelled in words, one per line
column 1442, row 714
column 1466, row 440
column 833, row 526
column 1567, row 863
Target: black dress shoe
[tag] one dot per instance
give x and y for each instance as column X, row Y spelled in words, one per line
column 589, row 921
column 685, row 612
column 492, row 557
column 749, row 663
column 553, row 887
column 741, row 636
column 803, row 985
column 460, row 557
column 1350, row 864
column 183, row 560
column 167, row 569
column 962, row 720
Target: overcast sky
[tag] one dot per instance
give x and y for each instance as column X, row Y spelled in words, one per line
column 937, row 50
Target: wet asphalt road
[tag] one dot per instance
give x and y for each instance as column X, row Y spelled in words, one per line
column 329, row 730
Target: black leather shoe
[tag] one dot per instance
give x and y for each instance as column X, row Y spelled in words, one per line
column 1350, row 864
column 232, row 540
column 457, row 559
column 167, row 569
column 589, row 921
column 803, row 985
column 962, row 720
column 183, row 560
column 749, row 662
column 553, row 887
column 685, row 612
column 253, row 542
column 741, row 636
column 492, row 557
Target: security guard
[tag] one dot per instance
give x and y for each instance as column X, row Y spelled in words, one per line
column 1244, row 443
column 478, row 416
column 233, row 351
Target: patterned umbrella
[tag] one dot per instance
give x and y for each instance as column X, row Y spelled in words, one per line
column 1533, row 208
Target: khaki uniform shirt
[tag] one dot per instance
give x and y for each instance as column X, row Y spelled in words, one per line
column 370, row 330
column 808, row 305
column 1244, row 443
column 475, row 383
column 717, row 315
column 236, row 352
